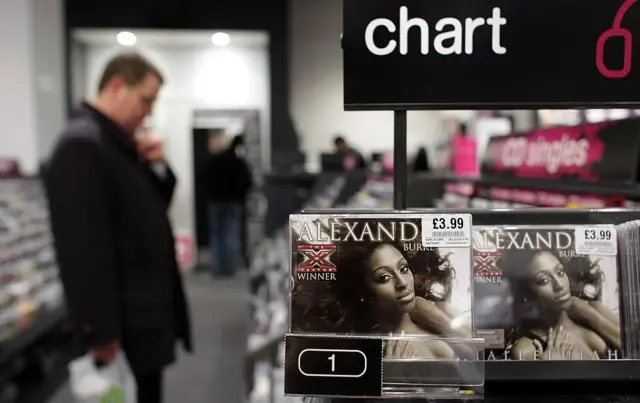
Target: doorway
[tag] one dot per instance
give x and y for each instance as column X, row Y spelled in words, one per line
column 231, row 123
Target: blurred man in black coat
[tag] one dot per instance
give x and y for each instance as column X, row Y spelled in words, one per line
column 109, row 190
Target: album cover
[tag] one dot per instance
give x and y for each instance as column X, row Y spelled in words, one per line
column 535, row 298
column 371, row 274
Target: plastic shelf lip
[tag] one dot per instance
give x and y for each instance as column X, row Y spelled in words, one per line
column 542, row 371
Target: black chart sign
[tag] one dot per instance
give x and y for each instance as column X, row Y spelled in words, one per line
column 491, row 54
column 331, row 366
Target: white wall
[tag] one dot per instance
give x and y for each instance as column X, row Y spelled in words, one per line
column 78, row 64
column 32, row 89
column 524, row 120
column 18, row 133
column 48, row 50
column 317, row 95
column 196, row 78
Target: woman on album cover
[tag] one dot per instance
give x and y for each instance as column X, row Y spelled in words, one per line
column 380, row 290
column 555, row 320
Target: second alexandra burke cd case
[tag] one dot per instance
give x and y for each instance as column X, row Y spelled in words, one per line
column 539, row 295
column 379, row 274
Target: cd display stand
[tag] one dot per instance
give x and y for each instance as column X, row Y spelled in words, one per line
column 324, row 363
column 324, row 359
column 545, row 297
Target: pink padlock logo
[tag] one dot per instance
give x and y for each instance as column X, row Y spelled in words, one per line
column 616, row 31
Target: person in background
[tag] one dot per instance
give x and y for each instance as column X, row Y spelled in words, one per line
column 421, row 163
column 109, row 188
column 238, row 146
column 463, row 153
column 350, row 154
column 229, row 180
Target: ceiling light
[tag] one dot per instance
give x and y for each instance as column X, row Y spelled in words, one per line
column 126, row 38
column 220, row 39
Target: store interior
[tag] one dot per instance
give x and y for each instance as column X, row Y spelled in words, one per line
column 272, row 74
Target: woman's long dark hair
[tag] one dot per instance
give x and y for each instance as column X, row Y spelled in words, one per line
column 346, row 305
column 431, row 269
column 586, row 277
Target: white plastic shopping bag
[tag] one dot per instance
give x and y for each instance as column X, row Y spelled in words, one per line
column 113, row 383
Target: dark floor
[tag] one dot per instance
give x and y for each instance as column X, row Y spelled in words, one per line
column 220, row 326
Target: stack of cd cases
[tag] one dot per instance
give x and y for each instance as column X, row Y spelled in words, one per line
column 629, row 248
column 434, row 304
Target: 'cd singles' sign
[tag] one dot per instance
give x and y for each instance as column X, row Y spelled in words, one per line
column 490, row 54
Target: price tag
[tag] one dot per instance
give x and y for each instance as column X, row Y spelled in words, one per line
column 596, row 240
column 446, row 230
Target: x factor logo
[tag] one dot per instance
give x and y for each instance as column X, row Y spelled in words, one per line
column 317, row 258
column 485, row 264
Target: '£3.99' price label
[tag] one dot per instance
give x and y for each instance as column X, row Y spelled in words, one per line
column 596, row 240
column 446, row 230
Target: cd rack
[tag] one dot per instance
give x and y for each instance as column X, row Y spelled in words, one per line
column 468, row 379
column 619, row 375
column 613, row 375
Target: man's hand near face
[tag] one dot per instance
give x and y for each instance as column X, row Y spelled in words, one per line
column 150, row 147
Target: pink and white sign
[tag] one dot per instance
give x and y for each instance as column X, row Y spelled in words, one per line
column 576, row 151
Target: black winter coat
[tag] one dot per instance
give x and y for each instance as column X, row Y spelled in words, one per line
column 114, row 242
column 228, row 178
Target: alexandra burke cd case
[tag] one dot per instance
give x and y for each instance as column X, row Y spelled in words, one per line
column 379, row 274
column 539, row 295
